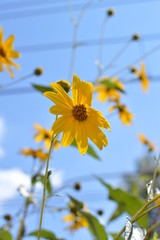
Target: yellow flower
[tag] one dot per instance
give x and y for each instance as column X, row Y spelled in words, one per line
column 109, row 89
column 78, row 120
column 145, row 141
column 78, row 221
column 125, row 116
column 7, row 53
column 45, row 135
column 142, row 77
column 35, row 153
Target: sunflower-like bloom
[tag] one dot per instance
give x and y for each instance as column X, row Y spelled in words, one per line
column 125, row 116
column 109, row 89
column 145, row 141
column 7, row 53
column 142, row 76
column 77, row 221
column 45, row 135
column 78, row 120
column 35, row 153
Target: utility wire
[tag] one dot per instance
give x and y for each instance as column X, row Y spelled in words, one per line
column 83, row 43
column 65, row 9
column 24, row 90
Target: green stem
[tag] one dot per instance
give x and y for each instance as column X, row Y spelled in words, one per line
column 138, row 214
column 45, row 183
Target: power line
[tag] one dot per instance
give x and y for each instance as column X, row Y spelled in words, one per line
column 26, row 90
column 84, row 43
column 64, row 9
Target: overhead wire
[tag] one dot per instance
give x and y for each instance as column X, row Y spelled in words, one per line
column 83, row 43
column 64, row 9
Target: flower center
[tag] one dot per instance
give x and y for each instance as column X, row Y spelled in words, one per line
column 80, row 112
column 2, row 52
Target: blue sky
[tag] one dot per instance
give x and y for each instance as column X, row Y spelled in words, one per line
column 20, row 111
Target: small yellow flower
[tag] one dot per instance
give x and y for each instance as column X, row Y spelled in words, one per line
column 109, row 89
column 145, row 141
column 78, row 221
column 78, row 120
column 45, row 135
column 35, row 153
column 7, row 53
column 125, row 116
column 141, row 75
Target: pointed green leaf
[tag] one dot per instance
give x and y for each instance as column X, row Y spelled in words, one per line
column 127, row 202
column 77, row 204
column 90, row 150
column 96, row 229
column 5, row 235
column 42, row 88
column 111, row 85
column 45, row 234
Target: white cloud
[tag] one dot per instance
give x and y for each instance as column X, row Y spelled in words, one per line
column 11, row 179
column 56, row 178
column 2, row 131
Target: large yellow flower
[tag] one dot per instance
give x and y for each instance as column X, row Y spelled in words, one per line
column 145, row 141
column 78, row 120
column 7, row 53
column 109, row 89
column 125, row 116
column 45, row 135
column 142, row 76
column 76, row 221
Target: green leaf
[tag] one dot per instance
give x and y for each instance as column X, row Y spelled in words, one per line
column 90, row 150
column 127, row 202
column 40, row 178
column 42, row 88
column 77, row 204
column 45, row 234
column 5, row 235
column 108, row 82
column 114, row 234
column 96, row 229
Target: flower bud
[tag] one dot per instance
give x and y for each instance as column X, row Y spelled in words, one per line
column 65, row 85
column 38, row 71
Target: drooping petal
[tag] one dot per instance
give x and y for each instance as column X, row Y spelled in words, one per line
column 69, row 217
column 69, row 133
column 62, row 93
column 81, row 137
column 81, row 92
column 97, row 117
column 96, row 136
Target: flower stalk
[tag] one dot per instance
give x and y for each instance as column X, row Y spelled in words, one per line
column 45, row 183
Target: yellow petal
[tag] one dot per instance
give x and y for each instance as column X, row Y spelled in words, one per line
column 81, row 137
column 81, row 92
column 60, row 124
column 56, row 98
column 9, row 42
column 60, row 110
column 69, row 133
column 37, row 126
column 62, row 93
column 97, row 117
column 1, row 36
column 13, row 54
column 96, row 136
column 69, row 217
